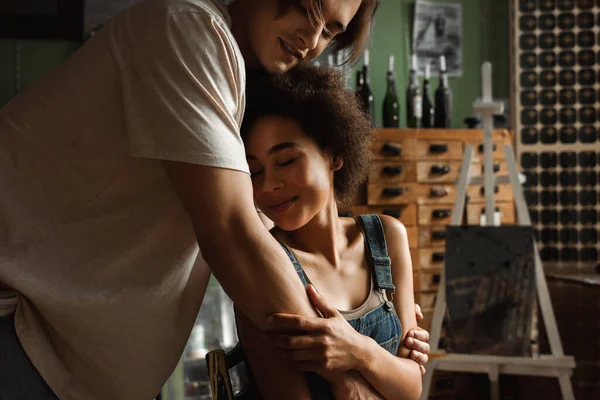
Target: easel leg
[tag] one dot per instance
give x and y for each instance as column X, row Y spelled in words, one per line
column 430, row 369
column 565, row 386
column 494, row 385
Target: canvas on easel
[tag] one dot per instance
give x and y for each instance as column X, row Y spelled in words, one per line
column 490, row 291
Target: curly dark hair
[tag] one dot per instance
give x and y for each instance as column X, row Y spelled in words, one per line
column 327, row 112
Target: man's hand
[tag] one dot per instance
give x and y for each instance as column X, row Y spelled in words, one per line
column 317, row 344
column 416, row 340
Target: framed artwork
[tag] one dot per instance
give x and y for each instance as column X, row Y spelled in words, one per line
column 437, row 30
column 41, row 19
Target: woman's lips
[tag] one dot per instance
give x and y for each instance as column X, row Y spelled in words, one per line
column 283, row 207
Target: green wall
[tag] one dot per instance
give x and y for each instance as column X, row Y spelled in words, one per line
column 485, row 38
column 485, row 35
column 22, row 62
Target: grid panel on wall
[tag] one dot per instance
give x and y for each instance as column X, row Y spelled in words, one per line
column 556, row 80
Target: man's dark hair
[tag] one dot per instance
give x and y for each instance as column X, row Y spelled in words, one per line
column 358, row 31
column 318, row 100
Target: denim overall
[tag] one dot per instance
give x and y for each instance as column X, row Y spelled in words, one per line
column 382, row 323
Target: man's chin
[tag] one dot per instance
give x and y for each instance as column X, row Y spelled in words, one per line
column 278, row 67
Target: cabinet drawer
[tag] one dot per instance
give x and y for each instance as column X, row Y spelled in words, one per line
column 497, row 154
column 426, row 300
column 435, row 215
column 391, row 150
column 425, row 323
column 432, row 258
column 413, row 236
column 439, row 171
column 500, row 168
column 379, row 193
column 416, row 283
column 385, row 194
column 407, row 214
column 353, row 211
column 439, row 150
column 432, row 236
column 404, row 171
column 475, row 210
column 429, row 279
column 503, row 192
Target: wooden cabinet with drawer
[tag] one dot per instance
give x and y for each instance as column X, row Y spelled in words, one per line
column 393, row 148
column 413, row 178
column 406, row 213
column 476, row 210
column 404, row 193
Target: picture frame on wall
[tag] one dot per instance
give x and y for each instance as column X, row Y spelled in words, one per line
column 41, row 19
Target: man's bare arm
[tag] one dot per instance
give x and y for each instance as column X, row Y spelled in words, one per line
column 248, row 262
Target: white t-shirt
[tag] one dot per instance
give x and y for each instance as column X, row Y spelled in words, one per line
column 91, row 234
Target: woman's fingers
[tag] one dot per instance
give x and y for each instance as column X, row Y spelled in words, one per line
column 419, row 357
column 419, row 334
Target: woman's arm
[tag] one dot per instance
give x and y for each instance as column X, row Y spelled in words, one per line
column 278, row 378
column 395, row 377
column 275, row 377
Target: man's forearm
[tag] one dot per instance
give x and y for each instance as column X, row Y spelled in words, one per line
column 253, row 269
column 351, row 385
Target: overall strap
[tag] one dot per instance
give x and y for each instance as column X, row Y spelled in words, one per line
column 297, row 265
column 377, row 251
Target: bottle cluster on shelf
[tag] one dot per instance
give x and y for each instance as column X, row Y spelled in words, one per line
column 421, row 110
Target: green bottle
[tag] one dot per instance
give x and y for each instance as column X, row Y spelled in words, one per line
column 391, row 107
column 414, row 97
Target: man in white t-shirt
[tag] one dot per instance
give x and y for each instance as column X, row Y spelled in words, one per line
column 116, row 166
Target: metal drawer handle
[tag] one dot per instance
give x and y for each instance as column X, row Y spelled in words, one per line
column 481, row 147
column 438, row 192
column 440, row 169
column 391, row 150
column 392, row 170
column 496, row 168
column 436, row 278
column 438, row 257
column 496, row 188
column 393, row 192
column 438, row 148
column 392, row 213
column 439, row 214
column 438, row 235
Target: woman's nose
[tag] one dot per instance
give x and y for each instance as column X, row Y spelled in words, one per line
column 271, row 183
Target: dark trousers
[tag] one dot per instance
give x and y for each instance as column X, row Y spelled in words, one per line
column 19, row 380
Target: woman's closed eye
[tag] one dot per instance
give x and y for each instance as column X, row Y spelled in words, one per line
column 287, row 162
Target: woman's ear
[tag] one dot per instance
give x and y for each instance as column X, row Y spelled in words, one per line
column 337, row 163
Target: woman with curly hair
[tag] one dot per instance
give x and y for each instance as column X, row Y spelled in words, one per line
column 308, row 146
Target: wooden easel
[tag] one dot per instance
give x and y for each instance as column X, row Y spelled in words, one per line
column 555, row 364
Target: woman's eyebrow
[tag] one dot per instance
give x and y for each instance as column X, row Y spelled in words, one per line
column 282, row 146
column 276, row 148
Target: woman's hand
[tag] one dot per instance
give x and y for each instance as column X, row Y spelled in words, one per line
column 416, row 340
column 317, row 344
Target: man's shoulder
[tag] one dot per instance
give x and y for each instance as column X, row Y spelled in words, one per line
column 212, row 8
